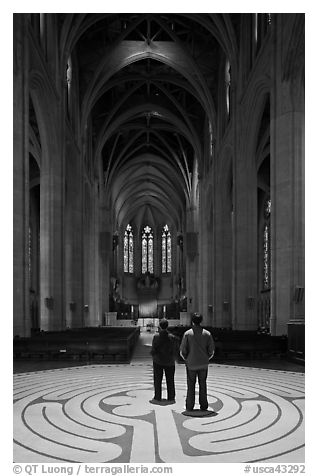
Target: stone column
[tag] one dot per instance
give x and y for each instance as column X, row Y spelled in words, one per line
column 105, row 256
column 218, row 260
column 203, row 260
column 73, row 239
column 21, row 312
column 287, row 176
column 222, row 255
column 51, row 243
column 287, row 241
column 192, row 262
column 245, row 243
column 92, row 311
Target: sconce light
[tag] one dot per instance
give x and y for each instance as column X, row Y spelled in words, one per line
column 72, row 306
column 49, row 302
column 210, row 307
column 86, row 308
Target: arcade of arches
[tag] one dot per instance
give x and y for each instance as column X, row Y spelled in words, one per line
column 159, row 170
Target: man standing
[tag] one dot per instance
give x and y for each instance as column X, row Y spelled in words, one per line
column 164, row 351
column 197, row 348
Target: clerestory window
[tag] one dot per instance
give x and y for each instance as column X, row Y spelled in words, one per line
column 266, row 246
column 147, row 250
column 166, row 250
column 128, row 250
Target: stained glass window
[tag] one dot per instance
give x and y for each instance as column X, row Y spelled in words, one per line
column 227, row 86
column 128, row 250
column 69, row 85
column 266, row 256
column 267, row 209
column 147, row 250
column 266, row 245
column 256, row 27
column 261, row 24
column 210, row 139
column 166, row 250
column 30, row 255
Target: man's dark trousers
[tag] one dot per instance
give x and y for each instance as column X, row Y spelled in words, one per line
column 191, row 380
column 157, row 377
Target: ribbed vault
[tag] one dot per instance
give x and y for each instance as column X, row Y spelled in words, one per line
column 148, row 85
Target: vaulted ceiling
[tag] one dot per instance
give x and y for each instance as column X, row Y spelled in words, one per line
column 148, row 85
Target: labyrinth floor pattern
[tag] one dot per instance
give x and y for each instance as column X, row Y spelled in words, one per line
column 102, row 413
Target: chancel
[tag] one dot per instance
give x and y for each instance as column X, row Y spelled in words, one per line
column 158, row 171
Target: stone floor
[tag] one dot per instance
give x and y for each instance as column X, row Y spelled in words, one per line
column 101, row 413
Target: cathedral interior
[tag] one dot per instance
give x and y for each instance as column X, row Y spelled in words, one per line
column 158, row 171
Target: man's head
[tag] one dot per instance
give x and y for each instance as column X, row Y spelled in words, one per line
column 197, row 318
column 163, row 324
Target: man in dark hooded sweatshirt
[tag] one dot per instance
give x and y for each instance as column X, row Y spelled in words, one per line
column 164, row 350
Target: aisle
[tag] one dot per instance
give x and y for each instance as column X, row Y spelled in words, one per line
column 141, row 353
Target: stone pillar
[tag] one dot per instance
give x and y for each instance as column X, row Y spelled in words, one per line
column 204, row 261
column 21, row 312
column 287, row 176
column 92, row 313
column 192, row 285
column 192, row 266
column 73, row 240
column 245, row 242
column 105, row 256
column 88, row 251
column 222, row 255
column 287, row 220
column 51, row 243
column 219, row 296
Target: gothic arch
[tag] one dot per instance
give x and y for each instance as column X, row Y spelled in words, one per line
column 118, row 59
column 258, row 97
column 43, row 102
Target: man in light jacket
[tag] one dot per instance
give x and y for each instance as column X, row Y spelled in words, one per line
column 197, row 348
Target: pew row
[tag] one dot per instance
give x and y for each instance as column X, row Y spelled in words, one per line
column 241, row 344
column 103, row 344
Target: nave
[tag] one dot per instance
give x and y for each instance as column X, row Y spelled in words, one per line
column 158, row 171
column 102, row 413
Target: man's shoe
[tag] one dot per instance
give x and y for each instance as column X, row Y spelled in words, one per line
column 171, row 401
column 155, row 401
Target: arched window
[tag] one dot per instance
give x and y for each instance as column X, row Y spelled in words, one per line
column 266, row 246
column 210, row 140
column 69, row 85
column 43, row 31
column 228, row 86
column 30, row 252
column 128, row 250
column 261, row 25
column 147, row 250
column 166, row 250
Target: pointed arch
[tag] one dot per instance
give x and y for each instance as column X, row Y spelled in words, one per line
column 166, row 250
column 147, row 250
column 129, row 250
